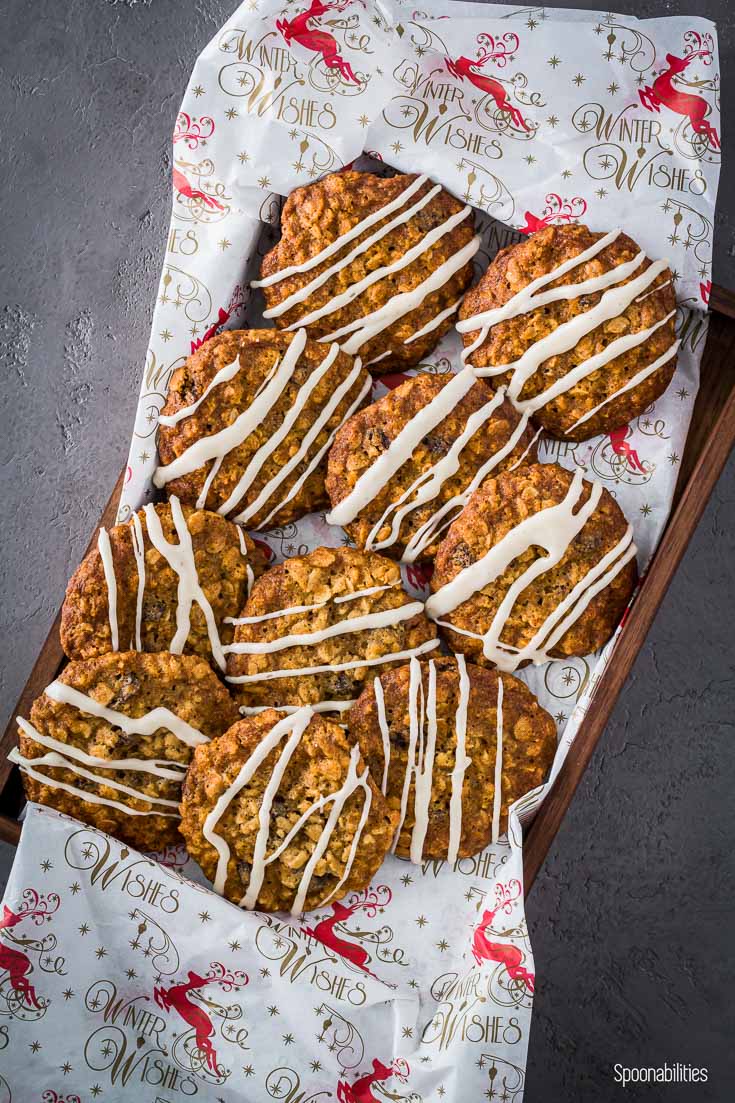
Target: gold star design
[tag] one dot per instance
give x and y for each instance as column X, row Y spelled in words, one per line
column 396, row 147
column 166, row 335
column 363, row 120
column 645, row 509
column 231, row 113
column 554, row 61
column 552, row 121
column 579, row 79
column 567, row 173
column 198, row 91
column 205, row 917
column 224, row 244
column 613, row 88
column 243, row 156
column 34, row 1046
column 407, row 1032
column 84, row 929
column 421, row 920
column 264, row 182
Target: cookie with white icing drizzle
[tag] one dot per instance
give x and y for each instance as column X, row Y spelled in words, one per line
column 578, row 326
column 109, row 741
column 249, row 420
column 401, row 470
column 317, row 627
column 164, row 581
column 281, row 813
column 377, row 264
column 429, row 733
column 541, row 564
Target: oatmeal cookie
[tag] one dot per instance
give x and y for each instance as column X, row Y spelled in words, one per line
column 248, row 422
column 142, row 714
column 231, row 813
column 402, row 469
column 581, row 363
column 168, row 562
column 447, row 752
column 541, row 564
column 295, row 643
column 378, row 264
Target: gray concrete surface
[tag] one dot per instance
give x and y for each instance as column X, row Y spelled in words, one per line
column 632, row 941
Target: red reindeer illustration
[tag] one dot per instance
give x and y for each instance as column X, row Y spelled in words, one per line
column 325, row 932
column 313, row 38
column 556, row 210
column 362, row 1089
column 183, row 187
column 483, row 949
column 664, row 92
column 15, row 962
column 499, row 51
column 621, row 448
column 192, row 1012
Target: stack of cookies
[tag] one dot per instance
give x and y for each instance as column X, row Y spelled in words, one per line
column 296, row 723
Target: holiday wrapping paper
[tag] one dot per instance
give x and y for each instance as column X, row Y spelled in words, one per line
column 119, row 977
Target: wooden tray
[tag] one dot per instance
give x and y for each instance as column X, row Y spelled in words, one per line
column 711, row 437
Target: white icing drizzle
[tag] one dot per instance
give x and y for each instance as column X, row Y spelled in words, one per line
column 294, row 726
column 319, row 456
column 634, row 382
column 526, row 450
column 304, row 292
column 250, row 575
column 136, row 538
column 294, row 609
column 161, row 767
column 339, row 799
column 528, row 298
column 384, row 618
column 566, row 336
column 370, row 325
column 428, row 484
column 415, row 690
column 201, row 502
column 224, row 375
column 356, row 289
column 320, row 706
column 219, row 444
column 377, row 359
column 60, row 761
column 269, row 446
column 322, row 419
column 27, row 766
column 616, row 348
column 461, row 761
column 147, row 724
column 344, row 239
column 433, row 324
column 400, row 449
column 384, row 731
column 423, row 774
column 655, row 291
column 180, row 557
column 304, row 671
column 108, row 565
column 498, row 786
column 554, row 529
column 243, row 545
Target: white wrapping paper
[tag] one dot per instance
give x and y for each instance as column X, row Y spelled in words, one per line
column 118, row 978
